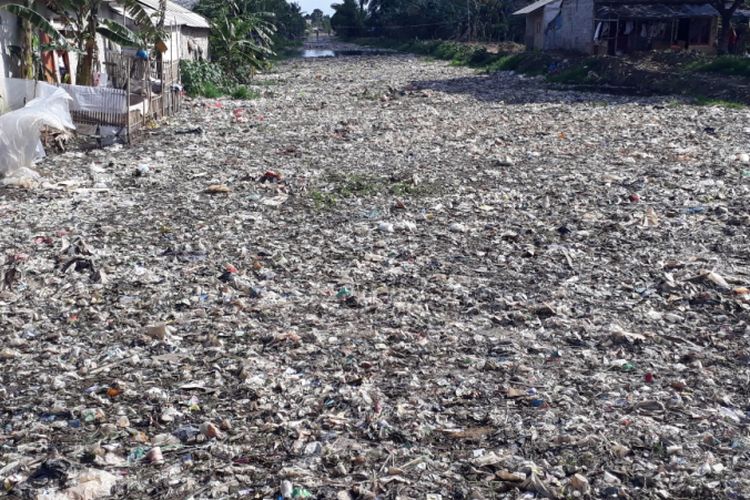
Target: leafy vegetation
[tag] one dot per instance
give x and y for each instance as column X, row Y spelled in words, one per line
column 200, row 77
column 349, row 19
column 242, row 45
column 485, row 20
column 319, row 21
column 247, row 34
column 206, row 79
column 725, row 65
column 340, row 187
column 244, row 93
column 705, row 101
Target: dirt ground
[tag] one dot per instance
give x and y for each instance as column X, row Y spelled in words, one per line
column 386, row 278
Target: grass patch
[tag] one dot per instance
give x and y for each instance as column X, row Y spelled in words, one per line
column 210, row 90
column 725, row 65
column 505, row 63
column 705, row 101
column 244, row 93
column 338, row 187
column 354, row 185
column 403, row 188
column 574, row 75
column 322, row 200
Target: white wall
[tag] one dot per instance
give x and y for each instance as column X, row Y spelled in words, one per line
column 9, row 33
column 199, row 39
column 576, row 31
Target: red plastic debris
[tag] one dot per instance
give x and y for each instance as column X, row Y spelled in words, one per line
column 270, row 176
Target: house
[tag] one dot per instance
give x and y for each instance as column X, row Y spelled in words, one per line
column 129, row 87
column 188, row 31
column 617, row 27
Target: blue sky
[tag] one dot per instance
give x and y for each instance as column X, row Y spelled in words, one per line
column 324, row 5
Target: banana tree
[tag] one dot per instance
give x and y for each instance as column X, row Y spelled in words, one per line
column 242, row 45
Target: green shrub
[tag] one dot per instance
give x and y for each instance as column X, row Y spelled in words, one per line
column 201, row 78
column 209, row 90
column 506, row 63
column 244, row 93
column 481, row 58
column 446, row 50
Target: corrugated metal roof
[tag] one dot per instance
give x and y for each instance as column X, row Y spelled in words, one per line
column 175, row 16
column 531, row 8
column 655, row 11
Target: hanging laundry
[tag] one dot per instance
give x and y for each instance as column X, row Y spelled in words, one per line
column 598, row 31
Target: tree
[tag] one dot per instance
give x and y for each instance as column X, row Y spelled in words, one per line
column 242, row 45
column 726, row 11
column 286, row 17
column 348, row 19
column 316, row 18
column 457, row 19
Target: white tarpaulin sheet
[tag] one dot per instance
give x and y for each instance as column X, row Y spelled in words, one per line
column 20, row 131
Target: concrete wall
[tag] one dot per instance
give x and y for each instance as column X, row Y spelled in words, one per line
column 194, row 43
column 575, row 29
column 9, row 32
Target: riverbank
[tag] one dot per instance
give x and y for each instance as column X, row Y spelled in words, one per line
column 704, row 79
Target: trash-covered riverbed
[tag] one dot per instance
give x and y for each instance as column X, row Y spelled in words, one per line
column 386, row 278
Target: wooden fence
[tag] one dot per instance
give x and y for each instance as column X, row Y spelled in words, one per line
column 110, row 109
column 156, row 94
column 142, row 94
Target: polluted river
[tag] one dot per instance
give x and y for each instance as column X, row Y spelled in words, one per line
column 386, row 277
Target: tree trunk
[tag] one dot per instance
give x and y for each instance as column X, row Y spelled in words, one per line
column 726, row 25
column 85, row 73
column 27, row 50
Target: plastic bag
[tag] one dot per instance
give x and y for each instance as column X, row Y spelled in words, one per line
column 20, row 132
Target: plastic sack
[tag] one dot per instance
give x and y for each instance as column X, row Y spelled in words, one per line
column 20, row 131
